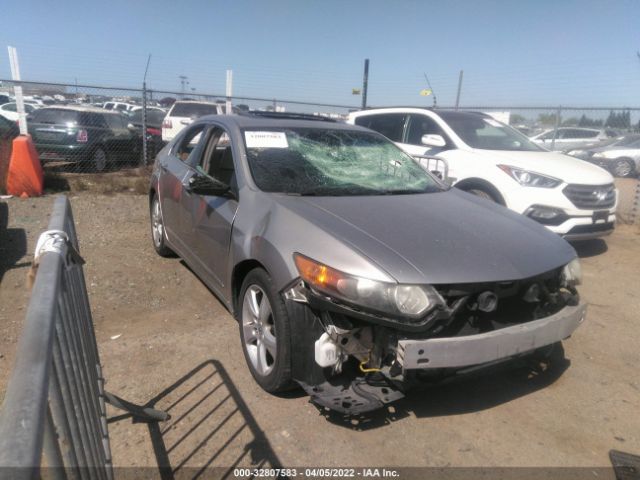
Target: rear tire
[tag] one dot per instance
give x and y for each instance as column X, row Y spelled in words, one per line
column 482, row 193
column 99, row 160
column 623, row 167
column 158, row 235
column 265, row 332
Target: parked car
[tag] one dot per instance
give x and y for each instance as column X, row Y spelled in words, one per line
column 349, row 268
column 10, row 110
column 4, row 98
column 90, row 135
column 183, row 113
column 8, row 131
column 621, row 156
column 492, row 160
column 155, row 117
column 119, row 106
column 572, row 137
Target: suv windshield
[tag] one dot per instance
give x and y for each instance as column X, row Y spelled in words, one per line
column 483, row 132
column 332, row 162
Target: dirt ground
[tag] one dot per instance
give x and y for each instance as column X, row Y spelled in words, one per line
column 166, row 341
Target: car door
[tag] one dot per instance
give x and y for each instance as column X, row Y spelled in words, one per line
column 212, row 216
column 175, row 171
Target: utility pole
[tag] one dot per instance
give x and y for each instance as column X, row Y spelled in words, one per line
column 229, row 106
column 183, row 83
column 17, row 89
column 459, row 88
column 365, row 83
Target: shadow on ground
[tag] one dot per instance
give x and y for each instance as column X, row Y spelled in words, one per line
column 210, row 427
column 13, row 243
column 463, row 394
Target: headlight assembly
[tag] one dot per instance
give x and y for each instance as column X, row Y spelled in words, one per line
column 530, row 179
column 390, row 299
column 572, row 273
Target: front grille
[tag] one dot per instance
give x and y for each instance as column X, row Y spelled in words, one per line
column 591, row 197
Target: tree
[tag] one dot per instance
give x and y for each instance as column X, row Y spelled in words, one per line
column 516, row 119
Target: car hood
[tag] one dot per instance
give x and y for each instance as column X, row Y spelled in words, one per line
column 566, row 168
column 437, row 238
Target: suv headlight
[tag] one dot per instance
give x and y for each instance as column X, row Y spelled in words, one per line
column 572, row 273
column 530, row 179
column 393, row 299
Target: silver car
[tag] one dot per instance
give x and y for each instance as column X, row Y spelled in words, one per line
column 621, row 156
column 350, row 269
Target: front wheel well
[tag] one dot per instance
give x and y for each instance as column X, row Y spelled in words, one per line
column 240, row 271
column 471, row 183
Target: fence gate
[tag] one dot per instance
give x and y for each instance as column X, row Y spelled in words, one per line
column 54, row 406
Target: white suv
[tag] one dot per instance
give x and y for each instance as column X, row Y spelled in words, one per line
column 488, row 158
column 183, row 112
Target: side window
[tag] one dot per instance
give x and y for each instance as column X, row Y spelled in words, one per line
column 217, row 161
column 94, row 120
column 391, row 125
column 420, row 125
column 188, row 143
column 10, row 107
column 113, row 122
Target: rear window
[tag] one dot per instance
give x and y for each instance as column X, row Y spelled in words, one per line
column 54, row 116
column 193, row 110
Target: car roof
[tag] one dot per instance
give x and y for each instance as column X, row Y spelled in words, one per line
column 197, row 102
column 257, row 121
column 82, row 108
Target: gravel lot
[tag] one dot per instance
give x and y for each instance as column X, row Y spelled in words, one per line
column 164, row 339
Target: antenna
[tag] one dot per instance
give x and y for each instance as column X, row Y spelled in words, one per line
column 435, row 102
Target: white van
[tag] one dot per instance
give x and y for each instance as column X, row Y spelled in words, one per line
column 183, row 112
column 488, row 158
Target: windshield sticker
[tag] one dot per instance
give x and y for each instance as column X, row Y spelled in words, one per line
column 266, row 140
column 493, row 122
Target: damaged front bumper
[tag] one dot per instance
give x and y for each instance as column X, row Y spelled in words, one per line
column 491, row 346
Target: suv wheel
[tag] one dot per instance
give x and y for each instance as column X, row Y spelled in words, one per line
column 265, row 332
column 623, row 167
column 99, row 160
column 157, row 229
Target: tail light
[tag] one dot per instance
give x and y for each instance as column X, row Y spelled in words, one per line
column 155, row 131
column 82, row 136
column 167, row 124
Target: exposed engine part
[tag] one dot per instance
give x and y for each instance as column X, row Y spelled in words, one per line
column 355, row 398
column 296, row 293
column 328, row 353
column 487, row 301
column 532, row 295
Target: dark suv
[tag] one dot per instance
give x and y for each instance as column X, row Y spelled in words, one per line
column 83, row 134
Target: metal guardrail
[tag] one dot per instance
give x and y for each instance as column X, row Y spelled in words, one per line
column 436, row 165
column 55, row 403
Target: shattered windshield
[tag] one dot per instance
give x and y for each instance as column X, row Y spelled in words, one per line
column 314, row 161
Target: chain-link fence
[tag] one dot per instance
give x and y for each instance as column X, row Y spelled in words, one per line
column 83, row 129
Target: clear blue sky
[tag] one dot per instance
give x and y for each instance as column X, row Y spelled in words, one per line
column 544, row 52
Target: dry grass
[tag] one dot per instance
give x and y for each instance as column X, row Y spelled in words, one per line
column 134, row 181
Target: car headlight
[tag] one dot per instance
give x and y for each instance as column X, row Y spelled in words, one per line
column 598, row 155
column 393, row 299
column 572, row 273
column 530, row 179
column 576, row 153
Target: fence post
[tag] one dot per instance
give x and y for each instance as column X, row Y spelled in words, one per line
column 555, row 131
column 143, row 160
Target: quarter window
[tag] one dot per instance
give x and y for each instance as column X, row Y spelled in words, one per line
column 391, row 125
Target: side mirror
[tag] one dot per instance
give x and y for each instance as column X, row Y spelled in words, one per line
column 131, row 126
column 432, row 140
column 203, row 185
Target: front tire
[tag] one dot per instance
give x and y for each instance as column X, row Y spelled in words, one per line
column 99, row 160
column 157, row 229
column 265, row 332
column 482, row 193
column 623, row 167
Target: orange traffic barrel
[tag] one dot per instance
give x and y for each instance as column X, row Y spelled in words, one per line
column 25, row 176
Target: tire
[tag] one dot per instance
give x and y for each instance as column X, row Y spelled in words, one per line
column 158, row 236
column 265, row 333
column 482, row 193
column 623, row 167
column 99, row 160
